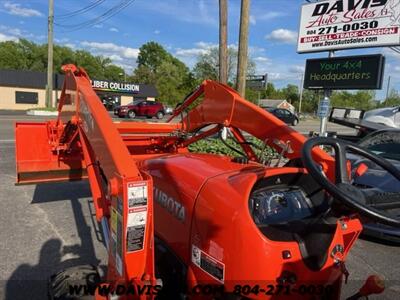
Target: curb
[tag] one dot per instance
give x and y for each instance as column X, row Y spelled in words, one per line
column 41, row 113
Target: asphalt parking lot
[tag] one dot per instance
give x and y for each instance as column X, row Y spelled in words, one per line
column 47, row 227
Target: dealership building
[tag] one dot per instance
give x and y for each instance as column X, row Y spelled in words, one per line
column 21, row 90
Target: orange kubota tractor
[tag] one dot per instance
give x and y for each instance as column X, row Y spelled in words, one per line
column 179, row 224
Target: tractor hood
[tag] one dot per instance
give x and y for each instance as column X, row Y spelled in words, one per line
column 178, row 182
column 187, row 173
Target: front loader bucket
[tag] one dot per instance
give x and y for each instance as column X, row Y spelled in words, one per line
column 36, row 162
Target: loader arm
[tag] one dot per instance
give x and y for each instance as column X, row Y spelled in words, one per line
column 216, row 103
column 84, row 143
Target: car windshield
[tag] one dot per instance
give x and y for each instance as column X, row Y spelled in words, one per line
column 385, row 144
column 387, row 150
column 136, row 102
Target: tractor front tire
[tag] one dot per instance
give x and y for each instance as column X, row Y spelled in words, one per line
column 76, row 280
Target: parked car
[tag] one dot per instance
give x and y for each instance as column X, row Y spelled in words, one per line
column 385, row 143
column 389, row 116
column 109, row 102
column 285, row 115
column 141, row 108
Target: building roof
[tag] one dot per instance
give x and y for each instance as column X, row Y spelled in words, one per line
column 38, row 80
column 271, row 102
column 26, row 79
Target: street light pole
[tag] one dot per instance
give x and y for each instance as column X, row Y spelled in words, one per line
column 325, row 101
column 388, row 89
column 301, row 91
column 49, row 93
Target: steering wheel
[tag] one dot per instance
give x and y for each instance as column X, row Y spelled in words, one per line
column 342, row 190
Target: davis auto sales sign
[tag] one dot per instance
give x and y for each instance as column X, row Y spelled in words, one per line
column 345, row 24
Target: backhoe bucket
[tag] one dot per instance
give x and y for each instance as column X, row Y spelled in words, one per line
column 37, row 162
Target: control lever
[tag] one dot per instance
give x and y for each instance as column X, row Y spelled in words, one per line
column 285, row 148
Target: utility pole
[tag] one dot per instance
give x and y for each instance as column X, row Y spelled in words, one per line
column 223, row 41
column 49, row 92
column 388, row 89
column 243, row 45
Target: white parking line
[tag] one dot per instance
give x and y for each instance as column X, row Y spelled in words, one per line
column 7, row 141
column 21, row 119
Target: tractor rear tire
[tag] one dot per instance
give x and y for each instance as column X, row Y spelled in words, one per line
column 84, row 276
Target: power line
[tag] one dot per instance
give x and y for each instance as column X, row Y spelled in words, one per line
column 113, row 10
column 103, row 17
column 397, row 50
column 80, row 11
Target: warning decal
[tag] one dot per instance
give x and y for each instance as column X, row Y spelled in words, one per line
column 208, row 264
column 134, row 238
column 137, row 194
column 137, row 216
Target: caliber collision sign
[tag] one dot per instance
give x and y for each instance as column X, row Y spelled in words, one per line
column 345, row 24
column 346, row 72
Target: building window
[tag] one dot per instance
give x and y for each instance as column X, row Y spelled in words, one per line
column 26, row 98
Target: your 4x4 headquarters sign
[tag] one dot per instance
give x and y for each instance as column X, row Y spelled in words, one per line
column 346, row 72
column 346, row 24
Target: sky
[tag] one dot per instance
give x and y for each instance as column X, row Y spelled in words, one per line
column 186, row 28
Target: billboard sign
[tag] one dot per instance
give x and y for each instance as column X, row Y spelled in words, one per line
column 346, row 72
column 348, row 24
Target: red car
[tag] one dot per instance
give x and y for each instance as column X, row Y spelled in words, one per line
column 141, row 108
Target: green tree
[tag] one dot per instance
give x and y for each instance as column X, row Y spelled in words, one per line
column 62, row 55
column 359, row 99
column 291, row 93
column 310, row 101
column 143, row 74
column 170, row 82
column 207, row 65
column 273, row 93
column 16, row 55
column 252, row 95
column 26, row 55
column 152, row 55
column 172, row 77
column 392, row 100
column 113, row 72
